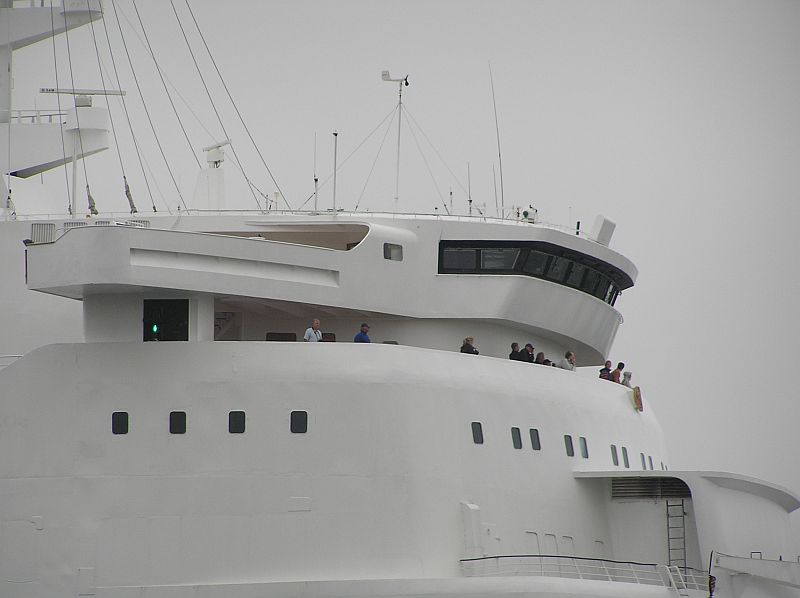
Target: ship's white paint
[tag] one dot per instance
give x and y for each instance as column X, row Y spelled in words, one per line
column 387, row 494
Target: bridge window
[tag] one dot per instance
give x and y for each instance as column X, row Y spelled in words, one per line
column 569, row 446
column 236, row 422
column 165, row 320
column 534, row 258
column 298, row 422
column 516, row 438
column 477, row 433
column 535, row 442
column 177, row 422
column 119, row 422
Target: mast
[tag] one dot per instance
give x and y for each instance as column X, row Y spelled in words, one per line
column 403, row 81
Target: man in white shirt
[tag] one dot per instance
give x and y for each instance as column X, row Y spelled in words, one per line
column 313, row 334
column 568, row 363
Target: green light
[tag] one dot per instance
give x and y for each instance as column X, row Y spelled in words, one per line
column 155, row 328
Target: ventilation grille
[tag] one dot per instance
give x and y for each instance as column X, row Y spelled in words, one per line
column 104, row 222
column 138, row 222
column 43, row 232
column 650, row 488
column 74, row 224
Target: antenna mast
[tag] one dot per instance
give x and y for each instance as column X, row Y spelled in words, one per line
column 403, row 81
column 316, row 180
column 499, row 155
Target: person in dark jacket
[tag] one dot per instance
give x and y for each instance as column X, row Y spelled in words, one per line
column 468, row 347
column 528, row 354
column 515, row 354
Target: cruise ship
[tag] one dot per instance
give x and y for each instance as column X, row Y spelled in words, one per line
column 192, row 444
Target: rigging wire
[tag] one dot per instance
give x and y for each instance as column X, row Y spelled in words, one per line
column 130, row 125
column 111, row 117
column 250, row 185
column 144, row 104
column 9, row 203
column 92, row 208
column 169, row 97
column 350, row 155
column 230, row 97
column 425, row 160
column 375, row 161
column 60, row 115
column 436, row 151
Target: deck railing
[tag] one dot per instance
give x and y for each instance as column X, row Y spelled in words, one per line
column 544, row 565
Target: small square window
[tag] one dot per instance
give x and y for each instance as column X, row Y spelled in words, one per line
column 477, row 433
column 625, row 458
column 516, row 438
column 584, row 447
column 236, row 422
column 119, row 422
column 614, row 456
column 177, row 422
column 392, row 251
column 568, row 445
column 535, row 442
column 298, row 423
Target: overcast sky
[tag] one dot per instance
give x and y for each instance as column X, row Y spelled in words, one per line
column 678, row 120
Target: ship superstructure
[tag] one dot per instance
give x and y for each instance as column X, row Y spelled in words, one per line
column 189, row 443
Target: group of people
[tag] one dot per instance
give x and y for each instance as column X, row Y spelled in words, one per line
column 314, row 334
column 529, row 355
column 616, row 375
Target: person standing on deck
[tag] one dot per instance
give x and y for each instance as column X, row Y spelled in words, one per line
column 362, row 336
column 313, row 334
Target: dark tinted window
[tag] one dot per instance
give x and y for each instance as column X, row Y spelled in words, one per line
column 575, row 276
column 236, row 422
column 536, row 263
column 614, row 457
column 644, row 464
column 177, row 422
column 516, row 438
column 625, row 461
column 498, row 259
column 298, row 422
column 454, row 258
column 558, row 269
column 590, row 281
column 392, row 251
column 584, row 447
column 535, row 443
column 568, row 445
column 165, row 320
column 119, row 422
column 477, row 433
column 650, row 461
column 283, row 337
column 602, row 288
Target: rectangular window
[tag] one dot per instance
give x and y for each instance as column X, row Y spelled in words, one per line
column 650, row 461
column 536, row 264
column 177, row 422
column 298, row 422
column 614, row 456
column 625, row 458
column 568, row 445
column 644, row 464
column 590, row 281
column 516, row 438
column 477, row 433
column 498, row 259
column 584, row 447
column 535, row 443
column 602, row 288
column 165, row 320
column 236, row 422
column 282, row 337
column 392, row 251
column 575, row 276
column 456, row 259
column 558, row 268
column 119, row 422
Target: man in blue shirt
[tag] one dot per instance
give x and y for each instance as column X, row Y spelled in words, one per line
column 363, row 337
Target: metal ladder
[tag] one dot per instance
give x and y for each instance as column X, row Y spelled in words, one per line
column 676, row 533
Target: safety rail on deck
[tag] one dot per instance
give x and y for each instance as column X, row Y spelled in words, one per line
column 6, row 360
column 574, row 567
column 37, row 117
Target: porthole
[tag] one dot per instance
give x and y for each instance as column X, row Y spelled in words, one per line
column 625, row 461
column 516, row 438
column 298, row 422
column 568, row 445
column 477, row 433
column 614, row 456
column 392, row 251
column 584, row 447
column 236, row 422
column 119, row 422
column 177, row 422
column 535, row 442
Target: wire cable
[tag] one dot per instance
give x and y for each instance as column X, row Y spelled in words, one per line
column 230, row 97
column 146, row 111
column 60, row 114
column 425, row 160
column 375, row 161
column 169, row 97
column 128, row 119
column 250, row 185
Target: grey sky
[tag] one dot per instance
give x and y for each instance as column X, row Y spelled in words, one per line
column 678, row 120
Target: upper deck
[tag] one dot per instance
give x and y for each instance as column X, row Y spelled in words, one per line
column 425, row 280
